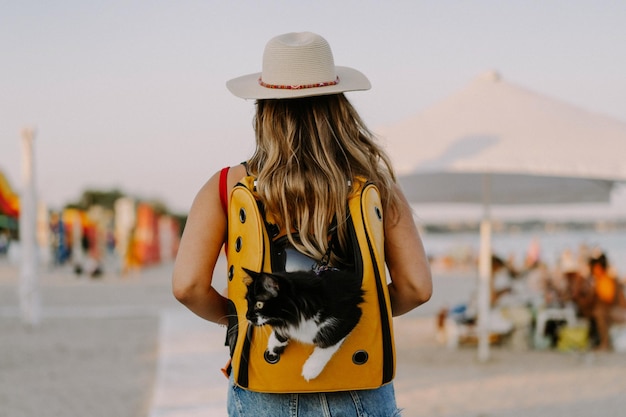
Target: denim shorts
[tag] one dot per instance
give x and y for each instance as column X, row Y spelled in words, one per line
column 380, row 402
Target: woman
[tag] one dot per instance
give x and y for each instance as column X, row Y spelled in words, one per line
column 609, row 303
column 310, row 142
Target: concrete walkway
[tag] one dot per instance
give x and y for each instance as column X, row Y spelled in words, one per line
column 189, row 381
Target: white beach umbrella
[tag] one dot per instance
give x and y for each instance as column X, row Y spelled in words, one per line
column 495, row 143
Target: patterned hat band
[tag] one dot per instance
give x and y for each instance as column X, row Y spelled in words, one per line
column 297, row 87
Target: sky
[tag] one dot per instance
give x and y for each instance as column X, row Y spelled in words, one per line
column 131, row 94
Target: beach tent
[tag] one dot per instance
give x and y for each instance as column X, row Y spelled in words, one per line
column 9, row 205
column 496, row 143
column 9, row 201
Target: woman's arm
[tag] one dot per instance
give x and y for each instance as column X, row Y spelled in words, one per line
column 200, row 247
column 411, row 282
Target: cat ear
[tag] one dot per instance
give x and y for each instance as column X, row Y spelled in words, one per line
column 251, row 275
column 270, row 284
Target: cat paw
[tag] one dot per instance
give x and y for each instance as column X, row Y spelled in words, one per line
column 315, row 364
column 312, row 369
column 275, row 346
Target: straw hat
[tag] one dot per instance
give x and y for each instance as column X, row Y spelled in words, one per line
column 298, row 65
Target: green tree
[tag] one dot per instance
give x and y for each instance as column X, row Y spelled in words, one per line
column 90, row 198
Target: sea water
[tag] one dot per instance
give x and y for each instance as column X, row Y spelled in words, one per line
column 550, row 245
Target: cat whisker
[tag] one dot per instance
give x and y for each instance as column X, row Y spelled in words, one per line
column 266, row 330
column 227, row 316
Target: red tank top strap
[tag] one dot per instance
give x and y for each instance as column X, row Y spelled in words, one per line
column 224, row 189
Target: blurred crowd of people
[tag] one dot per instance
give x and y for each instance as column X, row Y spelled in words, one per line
column 583, row 285
column 595, row 291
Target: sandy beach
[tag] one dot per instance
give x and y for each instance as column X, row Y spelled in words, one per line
column 124, row 347
column 94, row 352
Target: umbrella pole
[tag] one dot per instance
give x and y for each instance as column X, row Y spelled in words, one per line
column 484, row 273
column 29, row 296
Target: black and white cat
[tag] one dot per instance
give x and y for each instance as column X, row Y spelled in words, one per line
column 313, row 308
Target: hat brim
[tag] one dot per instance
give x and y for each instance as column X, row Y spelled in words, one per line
column 248, row 86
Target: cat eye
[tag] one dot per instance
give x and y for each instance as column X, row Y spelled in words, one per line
column 259, row 305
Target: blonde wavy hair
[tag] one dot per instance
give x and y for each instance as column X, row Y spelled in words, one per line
column 307, row 152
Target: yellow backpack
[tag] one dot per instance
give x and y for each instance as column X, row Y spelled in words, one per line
column 366, row 359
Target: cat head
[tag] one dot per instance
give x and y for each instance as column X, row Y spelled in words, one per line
column 266, row 305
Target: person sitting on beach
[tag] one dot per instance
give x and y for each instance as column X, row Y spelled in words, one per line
column 458, row 323
column 609, row 305
column 577, row 289
column 517, row 288
column 501, row 283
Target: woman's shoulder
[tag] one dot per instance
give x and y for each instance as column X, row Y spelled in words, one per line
column 221, row 182
column 230, row 174
column 236, row 173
